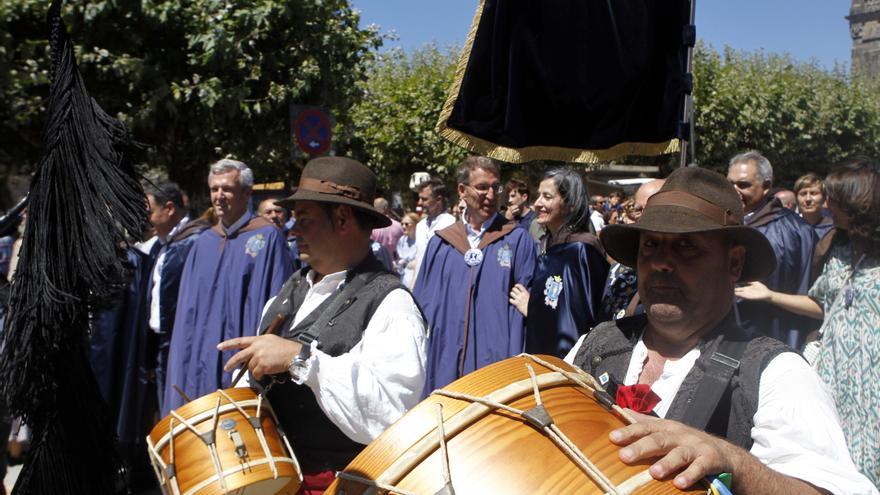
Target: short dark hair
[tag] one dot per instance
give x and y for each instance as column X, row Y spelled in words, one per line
column 472, row 163
column 364, row 220
column 438, row 188
column 165, row 191
column 518, row 186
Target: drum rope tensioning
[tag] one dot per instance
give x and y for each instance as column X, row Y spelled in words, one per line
column 537, row 416
column 188, row 478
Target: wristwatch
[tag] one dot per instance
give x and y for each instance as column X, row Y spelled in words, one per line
column 299, row 366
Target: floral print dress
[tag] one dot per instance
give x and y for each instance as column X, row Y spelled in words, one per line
column 848, row 359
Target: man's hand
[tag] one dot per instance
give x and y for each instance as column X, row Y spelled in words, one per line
column 682, row 449
column 263, row 355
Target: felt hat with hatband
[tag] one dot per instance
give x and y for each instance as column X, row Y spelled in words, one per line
column 338, row 180
column 693, row 200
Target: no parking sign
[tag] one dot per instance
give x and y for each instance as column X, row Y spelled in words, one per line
column 312, row 131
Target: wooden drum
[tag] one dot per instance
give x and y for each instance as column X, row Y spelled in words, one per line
column 224, row 442
column 491, row 438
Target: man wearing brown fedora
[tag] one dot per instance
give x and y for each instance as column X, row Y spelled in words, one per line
column 350, row 353
column 731, row 402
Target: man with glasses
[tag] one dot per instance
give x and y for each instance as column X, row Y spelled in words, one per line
column 792, row 239
column 467, row 272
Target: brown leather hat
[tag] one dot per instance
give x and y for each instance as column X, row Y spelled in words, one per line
column 693, row 200
column 338, row 180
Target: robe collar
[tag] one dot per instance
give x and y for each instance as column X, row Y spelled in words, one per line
column 456, row 234
column 246, row 223
column 765, row 213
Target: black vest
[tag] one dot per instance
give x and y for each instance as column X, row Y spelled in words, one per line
column 319, row 444
column 608, row 349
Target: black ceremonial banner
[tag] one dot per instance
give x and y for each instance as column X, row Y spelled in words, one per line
column 570, row 80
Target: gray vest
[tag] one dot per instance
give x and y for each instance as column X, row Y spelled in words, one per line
column 608, row 349
column 319, row 444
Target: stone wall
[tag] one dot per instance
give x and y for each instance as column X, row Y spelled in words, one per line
column 864, row 27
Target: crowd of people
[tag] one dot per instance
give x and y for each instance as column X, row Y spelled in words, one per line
column 381, row 307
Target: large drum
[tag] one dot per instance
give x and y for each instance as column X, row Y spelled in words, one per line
column 224, row 442
column 529, row 424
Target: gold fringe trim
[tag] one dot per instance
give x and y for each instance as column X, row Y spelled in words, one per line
column 459, row 74
column 531, row 153
column 570, row 155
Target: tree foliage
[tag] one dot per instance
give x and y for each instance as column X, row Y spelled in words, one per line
column 195, row 79
column 393, row 123
column 802, row 117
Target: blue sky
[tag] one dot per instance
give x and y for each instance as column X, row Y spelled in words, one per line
column 807, row 29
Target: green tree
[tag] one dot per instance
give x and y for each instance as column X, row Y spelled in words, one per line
column 393, row 123
column 194, row 79
column 802, row 117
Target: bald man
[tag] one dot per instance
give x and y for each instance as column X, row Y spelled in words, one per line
column 644, row 192
column 278, row 215
column 787, row 198
column 620, row 298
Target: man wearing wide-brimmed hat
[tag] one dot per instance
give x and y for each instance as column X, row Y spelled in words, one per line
column 351, row 348
column 777, row 425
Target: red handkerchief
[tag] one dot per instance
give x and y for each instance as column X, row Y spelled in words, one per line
column 640, row 398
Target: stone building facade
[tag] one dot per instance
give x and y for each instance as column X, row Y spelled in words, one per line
column 864, row 27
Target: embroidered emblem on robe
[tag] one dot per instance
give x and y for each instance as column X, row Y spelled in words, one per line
column 505, row 256
column 254, row 245
column 552, row 291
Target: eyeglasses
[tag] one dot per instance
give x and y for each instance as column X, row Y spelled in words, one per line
column 483, row 189
column 741, row 184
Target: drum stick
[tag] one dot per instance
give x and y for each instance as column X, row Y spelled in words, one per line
column 270, row 330
column 182, row 394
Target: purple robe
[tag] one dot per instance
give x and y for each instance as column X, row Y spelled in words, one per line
column 225, row 283
column 472, row 323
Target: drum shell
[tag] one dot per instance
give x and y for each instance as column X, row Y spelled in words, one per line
column 500, row 452
column 193, row 462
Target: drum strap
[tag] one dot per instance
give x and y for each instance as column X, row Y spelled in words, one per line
column 720, row 368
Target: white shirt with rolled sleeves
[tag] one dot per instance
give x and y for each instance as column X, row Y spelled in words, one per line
column 365, row 390
column 796, row 431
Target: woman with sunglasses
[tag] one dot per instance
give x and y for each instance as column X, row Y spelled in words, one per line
column 570, row 274
column 846, row 297
column 407, row 250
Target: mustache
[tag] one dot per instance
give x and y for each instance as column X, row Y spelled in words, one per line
column 663, row 279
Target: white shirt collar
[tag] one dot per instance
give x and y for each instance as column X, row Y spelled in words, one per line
column 328, row 283
column 183, row 221
column 474, row 237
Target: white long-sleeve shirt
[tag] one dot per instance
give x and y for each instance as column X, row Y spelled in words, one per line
column 368, row 388
column 425, row 230
column 796, row 430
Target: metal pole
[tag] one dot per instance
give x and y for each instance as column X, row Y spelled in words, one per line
column 688, row 111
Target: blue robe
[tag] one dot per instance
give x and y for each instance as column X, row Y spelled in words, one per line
column 793, row 241
column 565, row 296
column 176, row 253
column 119, row 356
column 472, row 323
column 225, row 283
